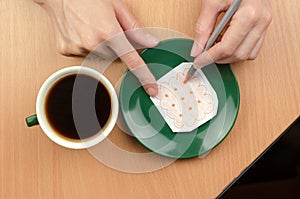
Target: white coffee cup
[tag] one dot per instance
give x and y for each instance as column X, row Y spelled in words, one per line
column 41, row 117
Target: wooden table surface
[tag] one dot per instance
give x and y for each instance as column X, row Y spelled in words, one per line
column 32, row 166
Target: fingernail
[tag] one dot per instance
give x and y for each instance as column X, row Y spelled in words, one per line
column 151, row 92
column 153, row 39
column 196, row 49
column 202, row 60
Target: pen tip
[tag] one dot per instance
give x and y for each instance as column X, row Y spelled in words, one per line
column 186, row 79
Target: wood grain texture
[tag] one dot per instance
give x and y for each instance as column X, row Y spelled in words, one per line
column 31, row 166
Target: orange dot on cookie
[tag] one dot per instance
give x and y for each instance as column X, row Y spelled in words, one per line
column 198, row 101
column 190, row 108
column 180, row 115
column 173, row 105
column 182, row 98
column 191, row 92
column 175, row 89
column 166, row 95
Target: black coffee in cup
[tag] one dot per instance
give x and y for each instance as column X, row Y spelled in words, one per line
column 78, row 106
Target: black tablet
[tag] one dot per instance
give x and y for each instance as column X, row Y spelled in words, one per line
column 275, row 173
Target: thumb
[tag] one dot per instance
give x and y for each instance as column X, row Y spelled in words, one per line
column 133, row 28
column 203, row 59
column 210, row 11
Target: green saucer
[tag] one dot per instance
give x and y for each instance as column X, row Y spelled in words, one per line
column 147, row 125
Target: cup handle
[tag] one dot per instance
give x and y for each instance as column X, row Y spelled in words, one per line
column 32, row 120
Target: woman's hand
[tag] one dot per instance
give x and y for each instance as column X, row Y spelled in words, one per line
column 81, row 25
column 242, row 39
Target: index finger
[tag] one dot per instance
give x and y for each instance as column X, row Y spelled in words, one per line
column 134, row 62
